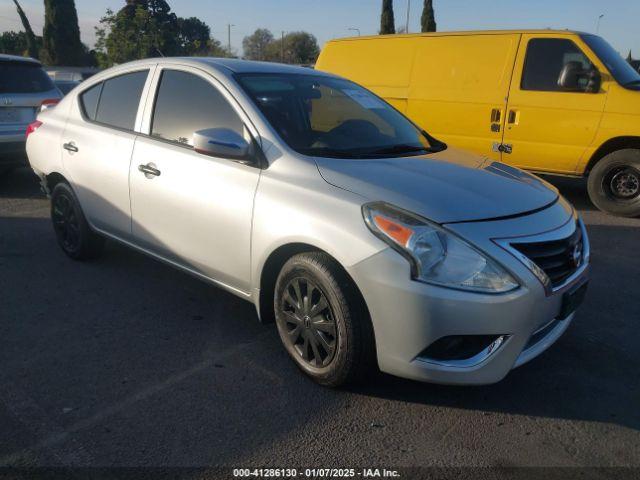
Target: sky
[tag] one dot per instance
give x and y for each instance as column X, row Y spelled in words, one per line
column 328, row 19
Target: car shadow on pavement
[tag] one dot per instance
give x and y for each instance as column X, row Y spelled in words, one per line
column 19, row 183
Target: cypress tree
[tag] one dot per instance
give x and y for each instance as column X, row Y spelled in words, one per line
column 428, row 19
column 32, row 45
column 61, row 34
column 387, row 22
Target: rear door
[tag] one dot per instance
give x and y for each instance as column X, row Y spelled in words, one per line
column 97, row 146
column 459, row 88
column 197, row 210
column 549, row 129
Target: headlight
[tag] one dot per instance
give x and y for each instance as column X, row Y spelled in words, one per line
column 436, row 255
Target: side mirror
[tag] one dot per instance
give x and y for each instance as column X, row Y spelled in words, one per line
column 574, row 77
column 221, row 142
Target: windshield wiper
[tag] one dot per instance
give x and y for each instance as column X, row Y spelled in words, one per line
column 399, row 149
column 632, row 82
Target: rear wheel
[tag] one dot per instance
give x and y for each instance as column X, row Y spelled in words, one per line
column 322, row 321
column 73, row 233
column 614, row 183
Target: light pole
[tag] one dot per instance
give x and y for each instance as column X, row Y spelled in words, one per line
column 229, row 25
column 598, row 24
column 354, row 29
column 406, row 28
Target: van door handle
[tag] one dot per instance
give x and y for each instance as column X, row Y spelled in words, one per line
column 496, row 117
column 71, row 147
column 513, row 117
column 149, row 170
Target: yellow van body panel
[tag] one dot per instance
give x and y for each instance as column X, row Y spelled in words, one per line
column 465, row 89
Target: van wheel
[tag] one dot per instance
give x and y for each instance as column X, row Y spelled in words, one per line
column 614, row 183
column 73, row 233
column 322, row 321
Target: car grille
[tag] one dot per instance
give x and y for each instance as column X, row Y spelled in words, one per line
column 559, row 259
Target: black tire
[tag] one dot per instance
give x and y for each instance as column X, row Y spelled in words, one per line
column 73, row 233
column 614, row 183
column 353, row 354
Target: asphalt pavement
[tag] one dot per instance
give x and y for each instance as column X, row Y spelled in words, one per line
column 124, row 361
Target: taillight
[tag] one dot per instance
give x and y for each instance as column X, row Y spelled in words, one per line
column 32, row 127
column 48, row 103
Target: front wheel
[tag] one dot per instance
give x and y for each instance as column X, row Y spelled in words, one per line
column 322, row 320
column 614, row 183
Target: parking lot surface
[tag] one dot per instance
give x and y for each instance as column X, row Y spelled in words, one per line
column 124, row 361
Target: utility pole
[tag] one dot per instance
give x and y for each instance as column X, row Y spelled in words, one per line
column 598, row 24
column 282, row 47
column 406, row 28
column 229, row 25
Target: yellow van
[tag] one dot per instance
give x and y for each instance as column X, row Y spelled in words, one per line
column 553, row 102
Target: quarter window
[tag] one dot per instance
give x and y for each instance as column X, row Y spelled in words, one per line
column 186, row 103
column 89, row 100
column 546, row 57
column 119, row 100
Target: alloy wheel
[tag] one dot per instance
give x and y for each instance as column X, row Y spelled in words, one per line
column 308, row 322
column 65, row 222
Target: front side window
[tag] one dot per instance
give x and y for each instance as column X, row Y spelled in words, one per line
column 325, row 116
column 23, row 77
column 186, row 103
column 546, row 57
column 119, row 100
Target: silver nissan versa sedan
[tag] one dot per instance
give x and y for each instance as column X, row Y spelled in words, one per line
column 365, row 239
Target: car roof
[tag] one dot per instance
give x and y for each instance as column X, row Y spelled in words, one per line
column 229, row 65
column 464, row 33
column 15, row 58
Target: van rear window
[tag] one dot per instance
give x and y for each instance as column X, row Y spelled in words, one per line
column 22, row 77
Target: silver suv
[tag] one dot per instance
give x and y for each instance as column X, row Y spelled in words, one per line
column 365, row 239
column 24, row 88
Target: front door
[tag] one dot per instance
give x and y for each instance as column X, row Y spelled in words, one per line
column 548, row 128
column 196, row 210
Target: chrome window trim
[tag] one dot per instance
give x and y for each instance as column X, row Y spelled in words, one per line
column 561, row 233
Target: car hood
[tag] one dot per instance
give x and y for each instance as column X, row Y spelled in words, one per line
column 444, row 187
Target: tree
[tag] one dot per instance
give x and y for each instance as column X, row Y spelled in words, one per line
column 194, row 36
column 141, row 29
column 16, row 43
column 428, row 19
column 300, row 48
column 629, row 57
column 387, row 22
column 61, row 34
column 32, row 44
column 256, row 46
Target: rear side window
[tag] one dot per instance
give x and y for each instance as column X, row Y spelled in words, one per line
column 23, row 77
column 119, row 100
column 545, row 60
column 186, row 103
column 89, row 101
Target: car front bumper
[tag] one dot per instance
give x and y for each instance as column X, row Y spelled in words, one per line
column 409, row 316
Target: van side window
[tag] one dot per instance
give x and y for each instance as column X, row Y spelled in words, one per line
column 186, row 103
column 89, row 101
column 545, row 60
column 118, row 105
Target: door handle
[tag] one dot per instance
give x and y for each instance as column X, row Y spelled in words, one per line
column 513, row 117
column 70, row 146
column 496, row 117
column 149, row 170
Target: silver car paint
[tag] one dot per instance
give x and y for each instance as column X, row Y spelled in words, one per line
column 222, row 220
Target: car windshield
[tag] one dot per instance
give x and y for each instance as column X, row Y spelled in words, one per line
column 23, row 77
column 624, row 73
column 331, row 117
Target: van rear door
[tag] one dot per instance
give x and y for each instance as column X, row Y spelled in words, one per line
column 459, row 88
column 549, row 127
